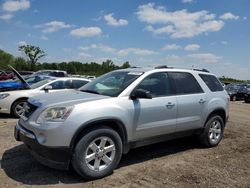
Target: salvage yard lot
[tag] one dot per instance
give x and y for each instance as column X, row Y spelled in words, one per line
column 178, row 163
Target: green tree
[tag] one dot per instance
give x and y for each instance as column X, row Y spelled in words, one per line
column 5, row 58
column 34, row 53
column 20, row 64
column 108, row 66
column 125, row 65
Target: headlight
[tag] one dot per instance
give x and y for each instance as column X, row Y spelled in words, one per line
column 54, row 114
column 4, row 95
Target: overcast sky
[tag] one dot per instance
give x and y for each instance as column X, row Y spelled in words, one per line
column 211, row 34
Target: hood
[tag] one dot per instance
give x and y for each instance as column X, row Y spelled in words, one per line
column 26, row 85
column 64, row 98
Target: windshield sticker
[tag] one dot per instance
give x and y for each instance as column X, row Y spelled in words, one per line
column 135, row 73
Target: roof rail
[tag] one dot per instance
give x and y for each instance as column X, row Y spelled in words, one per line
column 202, row 70
column 133, row 67
column 167, row 67
column 162, row 67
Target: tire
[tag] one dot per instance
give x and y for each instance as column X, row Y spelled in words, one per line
column 233, row 98
column 17, row 107
column 85, row 160
column 213, row 131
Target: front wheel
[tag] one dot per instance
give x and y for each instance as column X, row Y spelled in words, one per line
column 213, row 131
column 98, row 153
column 17, row 108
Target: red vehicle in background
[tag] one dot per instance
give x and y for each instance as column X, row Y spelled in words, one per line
column 6, row 76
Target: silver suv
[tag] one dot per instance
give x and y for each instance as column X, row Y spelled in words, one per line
column 92, row 127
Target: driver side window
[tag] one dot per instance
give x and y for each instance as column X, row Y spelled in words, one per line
column 57, row 85
column 157, row 84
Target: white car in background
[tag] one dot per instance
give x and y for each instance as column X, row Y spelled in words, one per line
column 12, row 102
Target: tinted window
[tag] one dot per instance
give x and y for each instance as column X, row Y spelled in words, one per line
column 57, row 85
column 185, row 83
column 78, row 83
column 67, row 84
column 212, row 82
column 39, row 84
column 158, row 84
column 57, row 74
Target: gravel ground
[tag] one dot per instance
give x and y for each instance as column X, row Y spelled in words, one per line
column 178, row 163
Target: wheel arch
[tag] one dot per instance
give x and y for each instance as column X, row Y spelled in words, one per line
column 220, row 112
column 114, row 124
column 18, row 99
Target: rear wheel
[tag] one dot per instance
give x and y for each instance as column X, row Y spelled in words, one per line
column 97, row 154
column 17, row 108
column 213, row 131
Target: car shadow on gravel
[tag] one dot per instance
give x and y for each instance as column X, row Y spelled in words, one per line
column 6, row 116
column 20, row 166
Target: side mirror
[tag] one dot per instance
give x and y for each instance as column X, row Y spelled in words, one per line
column 140, row 94
column 47, row 88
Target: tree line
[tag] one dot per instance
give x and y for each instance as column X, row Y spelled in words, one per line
column 34, row 54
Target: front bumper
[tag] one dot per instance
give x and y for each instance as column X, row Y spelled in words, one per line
column 4, row 107
column 54, row 157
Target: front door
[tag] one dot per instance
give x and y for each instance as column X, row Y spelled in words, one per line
column 156, row 116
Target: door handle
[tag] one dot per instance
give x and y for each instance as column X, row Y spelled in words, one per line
column 202, row 101
column 170, row 105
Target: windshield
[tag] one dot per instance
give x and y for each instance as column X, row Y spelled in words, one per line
column 111, row 84
column 39, row 84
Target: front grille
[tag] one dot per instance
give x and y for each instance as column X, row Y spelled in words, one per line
column 29, row 109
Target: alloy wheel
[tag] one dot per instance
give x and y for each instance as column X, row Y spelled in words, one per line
column 215, row 131
column 100, row 153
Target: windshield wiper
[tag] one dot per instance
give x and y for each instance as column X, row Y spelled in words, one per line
column 90, row 91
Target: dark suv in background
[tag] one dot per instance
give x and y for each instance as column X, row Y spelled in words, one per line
column 236, row 91
column 247, row 94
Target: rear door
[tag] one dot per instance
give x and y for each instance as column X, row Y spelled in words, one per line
column 191, row 101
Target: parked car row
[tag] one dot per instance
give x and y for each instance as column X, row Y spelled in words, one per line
column 238, row 92
column 15, row 93
column 14, row 83
column 5, row 75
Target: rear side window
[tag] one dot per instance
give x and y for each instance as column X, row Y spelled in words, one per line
column 212, row 82
column 78, row 83
column 185, row 83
